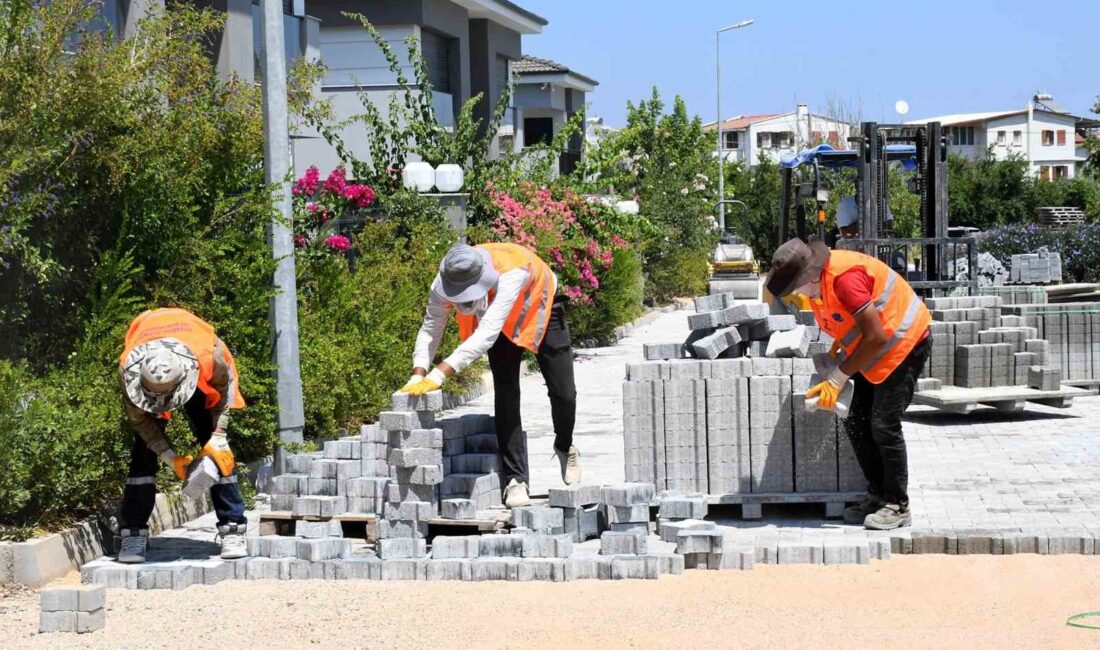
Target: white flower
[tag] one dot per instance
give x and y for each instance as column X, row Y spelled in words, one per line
column 684, row 191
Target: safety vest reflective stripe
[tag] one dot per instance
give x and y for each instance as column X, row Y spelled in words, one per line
column 141, row 480
column 542, row 319
column 525, row 300
column 911, row 313
column 891, row 280
column 851, row 335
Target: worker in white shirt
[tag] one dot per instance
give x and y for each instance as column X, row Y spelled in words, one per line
column 503, row 289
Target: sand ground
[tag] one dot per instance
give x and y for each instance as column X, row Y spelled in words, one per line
column 910, row 601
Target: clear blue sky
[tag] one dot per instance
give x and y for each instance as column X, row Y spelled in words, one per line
column 942, row 56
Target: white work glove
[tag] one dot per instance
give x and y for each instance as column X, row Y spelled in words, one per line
column 415, row 379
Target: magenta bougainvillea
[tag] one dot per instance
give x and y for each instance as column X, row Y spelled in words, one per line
column 577, row 239
column 318, row 202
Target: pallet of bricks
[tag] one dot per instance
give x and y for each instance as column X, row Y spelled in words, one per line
column 999, row 358
column 723, row 414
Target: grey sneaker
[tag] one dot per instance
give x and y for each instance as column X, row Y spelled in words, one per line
column 889, row 517
column 515, row 495
column 570, row 462
column 855, row 515
column 132, row 549
column 233, row 543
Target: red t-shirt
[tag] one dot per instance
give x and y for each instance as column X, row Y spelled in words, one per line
column 854, row 289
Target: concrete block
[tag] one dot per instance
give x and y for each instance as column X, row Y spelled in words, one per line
column 406, row 420
column 622, row 543
column 396, row 493
column 274, row 547
column 343, row 449
column 402, row 528
column 90, row 621
column 545, row 569
column 632, row 527
column 411, row 510
column 417, row 474
column 457, row 509
column 699, row 541
column 401, row 548
column 794, row 342
column 354, row 568
column 501, row 545
column 647, row 371
column 1044, row 377
column 683, row 508
column 539, row 519
column 584, row 523
column 299, row 463
column 319, row 550
column 432, row 401
column 172, row 575
column 451, row 547
column 415, row 456
column 289, row 484
column 662, row 351
column 582, row 568
column 746, row 313
column 417, row 438
column 475, row 463
column 575, row 496
column 63, row 599
column 449, row 569
column 629, row 567
column 670, row 529
column 494, row 568
column 335, row 469
column 404, row 569
column 764, row 328
column 628, row 494
column 669, row 563
column 367, row 487
column 638, row 513
column 322, row 487
column 711, row 346
column 62, row 621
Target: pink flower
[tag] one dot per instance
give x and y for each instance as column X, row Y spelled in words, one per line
column 336, row 181
column 307, row 184
column 300, row 241
column 338, row 242
column 312, row 208
column 361, row 195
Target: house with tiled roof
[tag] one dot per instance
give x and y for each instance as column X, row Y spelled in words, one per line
column 750, row 138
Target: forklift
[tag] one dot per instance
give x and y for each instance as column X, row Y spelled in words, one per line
column 926, row 261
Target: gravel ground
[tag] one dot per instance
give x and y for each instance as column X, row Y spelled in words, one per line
column 922, row 601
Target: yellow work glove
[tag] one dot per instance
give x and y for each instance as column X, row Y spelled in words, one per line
column 433, row 381
column 828, row 391
column 217, row 448
column 178, row 464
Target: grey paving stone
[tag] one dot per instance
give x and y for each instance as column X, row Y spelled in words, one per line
column 670, row 563
column 699, row 541
column 494, row 568
column 670, row 529
column 406, row 420
column 628, row 494
column 629, row 567
column 455, row 547
column 432, row 401
column 59, row 621
column 457, row 509
column 318, row 529
column 448, row 569
column 501, row 545
column 59, row 599
column 575, row 496
column 417, row 438
column 411, row 569
column 539, row 518
column 401, row 548
column 548, row 569
column 616, row 543
column 638, row 513
column 683, row 508
column 354, row 568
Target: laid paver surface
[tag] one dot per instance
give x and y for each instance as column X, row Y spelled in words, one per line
column 1036, row 469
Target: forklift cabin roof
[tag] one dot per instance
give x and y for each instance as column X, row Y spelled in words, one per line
column 828, row 156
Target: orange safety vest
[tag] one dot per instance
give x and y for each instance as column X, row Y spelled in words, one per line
column 902, row 312
column 196, row 334
column 526, row 324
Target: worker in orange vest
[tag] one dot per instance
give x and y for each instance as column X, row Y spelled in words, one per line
column 172, row 359
column 505, row 299
column 880, row 327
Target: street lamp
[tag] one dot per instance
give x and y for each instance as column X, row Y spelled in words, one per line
column 718, row 119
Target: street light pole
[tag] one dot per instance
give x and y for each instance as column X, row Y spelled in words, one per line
column 284, row 304
column 718, row 119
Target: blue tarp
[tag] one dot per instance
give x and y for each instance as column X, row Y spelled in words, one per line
column 828, row 156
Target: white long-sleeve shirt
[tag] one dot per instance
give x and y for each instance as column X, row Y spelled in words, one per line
column 489, row 324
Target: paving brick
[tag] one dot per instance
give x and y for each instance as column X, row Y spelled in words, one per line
column 670, row 529
column 406, row 420
column 683, row 508
column 404, row 569
column 628, row 494
column 417, row 438
column 449, row 569
column 401, row 548
column 343, row 449
column 699, row 541
column 1044, row 377
column 622, row 543
column 584, row 523
column 353, row 568
column 415, row 456
column 546, row 569
column 794, row 342
column 59, row 621
column 63, row 599
column 318, row 550
column 494, row 568
column 629, row 567
column 457, row 509
column 712, row 345
column 432, row 401
column 539, row 518
column 662, row 351
column 575, row 496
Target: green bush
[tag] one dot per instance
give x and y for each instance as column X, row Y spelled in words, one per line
column 618, row 301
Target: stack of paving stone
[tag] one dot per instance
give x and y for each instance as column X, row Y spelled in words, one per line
column 416, row 467
column 72, row 609
column 471, row 465
column 350, row 475
column 1073, row 330
column 725, row 328
column 1017, row 294
column 1042, row 267
column 732, row 427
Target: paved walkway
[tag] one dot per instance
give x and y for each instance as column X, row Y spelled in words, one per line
column 985, row 470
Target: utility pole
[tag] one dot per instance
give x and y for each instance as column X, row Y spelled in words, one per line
column 718, row 120
column 284, row 304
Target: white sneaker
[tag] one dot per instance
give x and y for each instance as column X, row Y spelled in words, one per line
column 134, row 541
column 570, row 462
column 515, row 495
column 233, row 544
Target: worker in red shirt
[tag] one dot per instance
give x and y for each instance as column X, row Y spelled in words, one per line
column 880, row 327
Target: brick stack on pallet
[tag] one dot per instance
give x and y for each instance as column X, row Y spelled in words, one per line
column 1073, row 329
column 349, row 476
column 471, row 466
column 975, row 344
column 732, row 427
column 1042, row 267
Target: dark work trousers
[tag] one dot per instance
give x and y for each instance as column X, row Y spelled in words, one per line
column 555, row 357
column 140, row 494
column 874, row 426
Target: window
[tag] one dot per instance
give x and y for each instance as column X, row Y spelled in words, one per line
column 1017, row 138
column 764, row 140
column 731, row 139
column 537, row 130
column 506, row 143
column 292, row 40
column 1061, row 136
column 962, row 135
column 1001, row 139
column 1048, row 138
column 782, row 140
column 1061, row 171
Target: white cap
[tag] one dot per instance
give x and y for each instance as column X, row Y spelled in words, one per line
column 847, row 213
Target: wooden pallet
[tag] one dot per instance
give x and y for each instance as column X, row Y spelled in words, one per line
column 365, row 526
column 1091, row 385
column 1009, row 399
column 752, row 504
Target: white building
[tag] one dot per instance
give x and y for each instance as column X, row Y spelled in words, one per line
column 750, row 138
column 1047, row 137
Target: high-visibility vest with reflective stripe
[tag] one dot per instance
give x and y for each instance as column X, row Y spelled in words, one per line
column 526, row 324
column 903, row 314
column 196, row 334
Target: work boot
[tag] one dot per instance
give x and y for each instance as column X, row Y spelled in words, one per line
column 233, row 544
column 570, row 462
column 889, row 517
column 857, row 514
column 515, row 495
column 132, row 549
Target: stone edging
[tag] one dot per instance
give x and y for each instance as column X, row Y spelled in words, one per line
column 37, row 561
column 622, row 331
